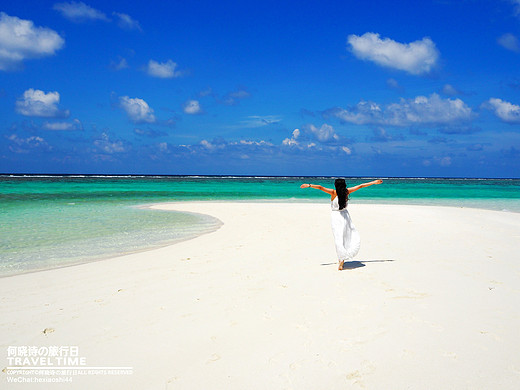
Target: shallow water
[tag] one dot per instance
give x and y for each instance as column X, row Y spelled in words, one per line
column 52, row 221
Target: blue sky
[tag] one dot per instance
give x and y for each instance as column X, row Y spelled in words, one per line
column 372, row 88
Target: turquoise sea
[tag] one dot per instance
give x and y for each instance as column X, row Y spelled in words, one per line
column 53, row 221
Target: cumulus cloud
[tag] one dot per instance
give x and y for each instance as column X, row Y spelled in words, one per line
column 77, row 11
column 63, row 126
column 216, row 144
column 126, row 22
column 24, row 145
column 293, row 140
column 138, row 110
column 296, row 143
column 20, row 39
column 418, row 57
column 419, row 110
column 192, row 107
column 165, row 70
column 38, row 103
column 506, row 111
column 107, row 146
column 510, row 42
column 324, row 133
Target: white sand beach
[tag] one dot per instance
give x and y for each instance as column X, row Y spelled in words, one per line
column 431, row 302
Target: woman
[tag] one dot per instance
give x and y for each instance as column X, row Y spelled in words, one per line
column 346, row 237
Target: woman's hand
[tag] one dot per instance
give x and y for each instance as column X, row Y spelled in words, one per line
column 305, row 186
column 378, row 181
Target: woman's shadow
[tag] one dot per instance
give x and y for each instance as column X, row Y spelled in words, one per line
column 357, row 264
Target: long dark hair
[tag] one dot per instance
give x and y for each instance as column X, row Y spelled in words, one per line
column 342, row 192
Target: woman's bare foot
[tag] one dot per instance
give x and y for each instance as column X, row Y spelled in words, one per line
column 340, row 267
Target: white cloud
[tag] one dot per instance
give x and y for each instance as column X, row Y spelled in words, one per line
column 506, row 111
column 77, row 11
column 293, row 140
column 165, row 70
column 249, row 142
column 419, row 110
column 346, row 150
column 127, row 22
column 34, row 140
column 509, row 42
column 23, row 145
column 38, row 103
column 20, row 40
column 192, row 107
column 418, row 57
column 212, row 146
column 63, row 126
column 138, row 110
column 108, row 146
column 324, row 133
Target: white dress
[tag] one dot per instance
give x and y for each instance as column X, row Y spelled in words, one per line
column 346, row 237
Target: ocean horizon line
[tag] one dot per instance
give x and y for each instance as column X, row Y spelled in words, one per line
column 122, row 175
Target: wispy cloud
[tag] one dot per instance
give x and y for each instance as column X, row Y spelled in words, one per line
column 254, row 121
column 516, row 7
column 418, row 57
column 20, row 39
column 137, row 109
column 35, row 102
column 450, row 90
column 119, row 65
column 165, row 70
column 77, row 11
column 393, row 84
column 149, row 132
column 126, row 22
column 510, row 42
column 63, row 126
column 25, row 145
column 232, row 98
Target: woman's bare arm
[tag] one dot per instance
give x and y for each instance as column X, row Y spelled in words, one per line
column 352, row 189
column 318, row 187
